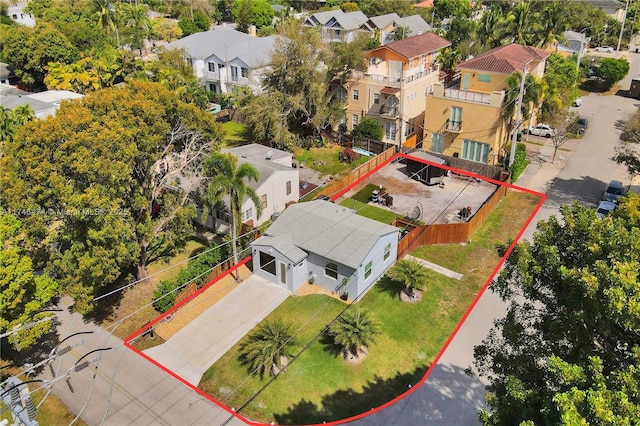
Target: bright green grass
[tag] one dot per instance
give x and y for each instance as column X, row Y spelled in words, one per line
column 320, row 386
column 236, row 134
column 326, row 160
column 372, row 212
column 364, row 195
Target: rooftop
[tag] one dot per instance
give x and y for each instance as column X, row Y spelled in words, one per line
column 336, row 233
column 411, row 47
column 504, row 59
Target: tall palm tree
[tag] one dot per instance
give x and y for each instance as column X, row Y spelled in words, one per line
column 353, row 331
column 520, row 21
column 551, row 24
column 531, row 97
column 267, row 346
column 106, row 13
column 228, row 179
column 411, row 273
column 492, row 29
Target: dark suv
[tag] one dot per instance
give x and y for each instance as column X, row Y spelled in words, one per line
column 613, row 192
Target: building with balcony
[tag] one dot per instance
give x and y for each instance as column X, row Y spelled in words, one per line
column 338, row 26
column 393, row 87
column 226, row 60
column 467, row 119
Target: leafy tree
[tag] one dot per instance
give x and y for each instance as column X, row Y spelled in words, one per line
column 136, row 25
column 376, row 7
column 531, row 97
column 200, row 22
column 628, row 151
column 107, row 17
column 568, row 350
column 29, row 52
column 11, row 120
column 411, row 273
column 165, row 30
column 354, row 331
column 560, row 77
column 612, row 71
column 448, row 59
column 25, row 293
column 350, row 7
column 252, row 12
column 94, row 168
column 401, row 33
column 492, row 30
column 452, row 8
column 228, row 179
column 368, row 128
column 267, row 346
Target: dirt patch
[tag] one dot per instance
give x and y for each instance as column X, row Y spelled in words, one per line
column 307, row 289
column 192, row 309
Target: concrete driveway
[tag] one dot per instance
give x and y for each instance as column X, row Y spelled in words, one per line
column 192, row 350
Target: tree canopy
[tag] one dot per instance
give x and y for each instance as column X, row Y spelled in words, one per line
column 370, row 128
column 252, row 12
column 108, row 180
column 568, row 349
column 611, row 71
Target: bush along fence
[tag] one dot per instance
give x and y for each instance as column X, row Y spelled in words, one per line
column 191, row 278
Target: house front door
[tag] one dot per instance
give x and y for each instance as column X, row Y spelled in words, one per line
column 283, row 274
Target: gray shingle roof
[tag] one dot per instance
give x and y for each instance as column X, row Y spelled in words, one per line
column 329, row 230
column 347, row 21
column 228, row 44
column 256, row 150
column 285, row 246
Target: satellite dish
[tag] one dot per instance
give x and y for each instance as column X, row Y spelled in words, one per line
column 416, row 213
column 269, row 154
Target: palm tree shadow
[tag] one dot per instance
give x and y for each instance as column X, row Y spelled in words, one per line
column 330, row 345
column 390, row 287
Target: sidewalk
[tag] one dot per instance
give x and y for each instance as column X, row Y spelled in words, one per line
column 541, row 171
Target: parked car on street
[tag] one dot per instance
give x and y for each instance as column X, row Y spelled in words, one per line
column 579, row 127
column 604, row 208
column 606, row 49
column 577, row 102
column 540, row 130
column 614, row 191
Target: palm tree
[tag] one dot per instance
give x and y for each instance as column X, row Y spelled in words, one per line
column 106, row 13
column 531, row 97
column 229, row 179
column 267, row 348
column 520, row 21
column 411, row 273
column 492, row 27
column 354, row 331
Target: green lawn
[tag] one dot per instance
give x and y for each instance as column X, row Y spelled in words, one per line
column 236, row 134
column 372, row 212
column 319, row 385
column 326, row 160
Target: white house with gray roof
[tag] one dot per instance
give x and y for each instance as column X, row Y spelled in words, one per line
column 336, row 25
column 226, row 60
column 278, row 185
column 328, row 245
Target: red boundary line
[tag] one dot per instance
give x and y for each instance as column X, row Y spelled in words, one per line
column 543, row 197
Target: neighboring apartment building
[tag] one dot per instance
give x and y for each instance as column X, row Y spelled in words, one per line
column 226, row 60
column 277, row 186
column 468, row 121
column 336, row 25
column 386, row 25
column 393, row 87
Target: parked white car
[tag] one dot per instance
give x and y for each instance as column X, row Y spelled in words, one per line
column 606, row 49
column 540, row 130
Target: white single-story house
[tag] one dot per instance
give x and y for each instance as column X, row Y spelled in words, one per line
column 226, row 60
column 277, row 186
column 327, row 245
column 43, row 104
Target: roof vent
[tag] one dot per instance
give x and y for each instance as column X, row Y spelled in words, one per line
column 269, row 154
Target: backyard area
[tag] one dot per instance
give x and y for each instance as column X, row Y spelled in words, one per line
column 326, row 160
column 318, row 385
column 236, row 134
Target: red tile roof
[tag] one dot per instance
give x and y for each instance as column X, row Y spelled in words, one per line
column 426, row 3
column 417, row 45
column 504, row 59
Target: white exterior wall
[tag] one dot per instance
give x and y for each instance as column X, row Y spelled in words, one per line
column 223, row 77
column 316, row 271
column 294, row 275
column 379, row 265
column 275, row 188
column 17, row 13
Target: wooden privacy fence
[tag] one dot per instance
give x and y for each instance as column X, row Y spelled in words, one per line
column 358, row 173
column 192, row 288
column 450, row 233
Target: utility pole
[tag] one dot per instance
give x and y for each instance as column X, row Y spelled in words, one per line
column 514, row 137
column 624, row 20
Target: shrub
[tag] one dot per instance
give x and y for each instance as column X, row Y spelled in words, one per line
column 348, row 155
column 368, row 128
column 520, row 161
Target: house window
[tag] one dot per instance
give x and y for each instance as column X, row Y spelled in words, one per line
column 355, row 120
column 367, row 270
column 356, row 95
column 247, row 214
column 213, row 87
column 245, row 72
column 486, row 78
column 376, row 98
column 331, row 270
column 390, row 130
column 223, row 216
column 268, row 263
column 437, row 142
column 234, row 73
column 410, row 128
column 288, row 187
column 387, row 251
column 475, row 151
column 455, row 119
column 263, row 201
column 212, row 66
